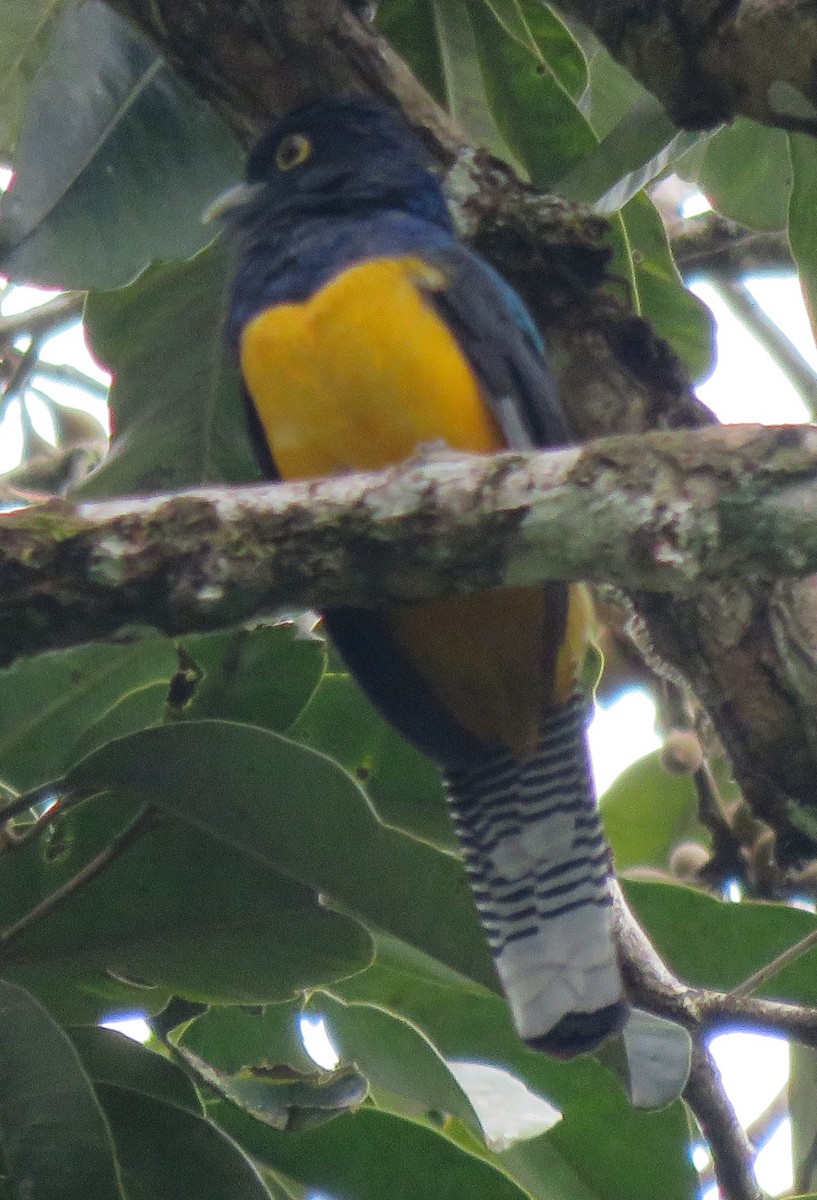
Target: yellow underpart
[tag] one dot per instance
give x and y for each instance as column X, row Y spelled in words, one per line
column 360, row 376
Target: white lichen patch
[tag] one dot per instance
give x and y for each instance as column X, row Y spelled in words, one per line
column 211, row 593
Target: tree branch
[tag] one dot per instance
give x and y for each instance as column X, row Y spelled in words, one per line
column 668, row 512
column 713, row 245
column 710, row 61
column 45, row 318
column 684, row 515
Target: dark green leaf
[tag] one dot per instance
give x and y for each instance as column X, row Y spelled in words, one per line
column 230, row 1038
column 370, row 1155
column 801, row 225
column 54, row 1138
column 717, row 944
column 47, row 703
column 280, row 1096
column 746, row 174
column 409, row 27
column 647, row 811
column 121, row 174
column 167, row 1153
column 138, row 709
column 611, row 91
column 262, row 676
column 292, row 808
column 464, row 88
column 179, row 912
column 403, row 785
column 534, row 113
column 27, row 28
column 676, row 313
column 162, row 338
column 110, row 1057
column 406, row 1073
column 540, row 31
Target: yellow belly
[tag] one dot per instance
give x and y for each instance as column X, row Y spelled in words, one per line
column 359, row 377
column 362, row 374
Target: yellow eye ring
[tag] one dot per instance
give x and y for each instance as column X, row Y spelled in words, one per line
column 292, row 151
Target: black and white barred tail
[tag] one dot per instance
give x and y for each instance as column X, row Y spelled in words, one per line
column 540, row 873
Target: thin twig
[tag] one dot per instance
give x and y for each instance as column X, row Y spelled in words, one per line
column 20, row 376
column 138, row 827
column 771, row 337
column 777, row 964
column 72, row 377
column 758, row 1131
column 45, row 318
column 47, row 793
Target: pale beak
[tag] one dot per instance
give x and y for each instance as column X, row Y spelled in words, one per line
column 234, row 197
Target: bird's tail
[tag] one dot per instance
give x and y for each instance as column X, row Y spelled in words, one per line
column 540, row 873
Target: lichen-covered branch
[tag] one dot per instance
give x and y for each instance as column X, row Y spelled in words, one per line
column 714, row 245
column 708, row 61
column 667, row 512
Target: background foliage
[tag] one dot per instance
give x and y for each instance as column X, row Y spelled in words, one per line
column 292, row 853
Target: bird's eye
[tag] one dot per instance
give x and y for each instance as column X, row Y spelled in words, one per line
column 292, row 151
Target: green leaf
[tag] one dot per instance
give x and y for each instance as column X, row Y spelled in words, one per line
column 403, row 785
column 635, row 1154
column 119, row 176
column 262, row 676
column 162, row 339
column 801, row 226
column 110, row 1057
column 533, row 111
column 540, row 31
column 611, row 89
column 291, row 809
column 409, row 27
column 746, row 174
column 48, row 702
column 647, row 811
column 370, row 1155
column 677, row 314
column 406, row 1073
column 138, row 709
column 54, row 1138
column 180, row 912
column 464, row 88
column 640, row 147
column 230, row 1038
column 717, row 944
column 27, row 28
column 167, row 1153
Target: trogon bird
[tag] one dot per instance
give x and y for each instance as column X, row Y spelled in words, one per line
column 365, row 332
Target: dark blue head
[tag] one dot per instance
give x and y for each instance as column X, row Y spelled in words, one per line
column 336, row 157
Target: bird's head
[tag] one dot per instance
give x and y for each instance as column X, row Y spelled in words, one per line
column 334, row 156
